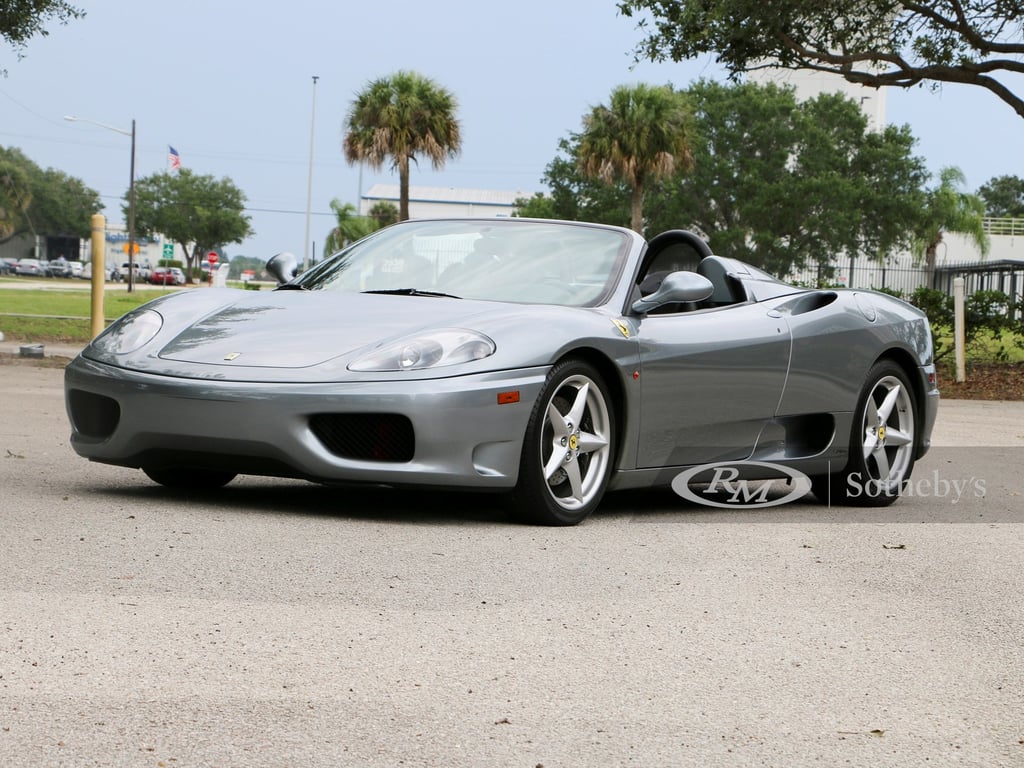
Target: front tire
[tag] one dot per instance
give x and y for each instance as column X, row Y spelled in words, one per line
column 567, row 451
column 883, row 443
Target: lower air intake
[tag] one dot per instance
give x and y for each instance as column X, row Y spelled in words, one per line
column 366, row 436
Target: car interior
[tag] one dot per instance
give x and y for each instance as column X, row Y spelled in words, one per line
column 682, row 250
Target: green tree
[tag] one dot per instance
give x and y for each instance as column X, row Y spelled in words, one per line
column 574, row 196
column 350, row 226
column 540, row 206
column 870, row 42
column 42, row 201
column 775, row 182
column 643, row 135
column 15, row 200
column 384, row 213
column 854, row 189
column 239, row 264
column 781, row 183
column 63, row 205
column 738, row 192
column 1003, row 196
column 21, row 20
column 402, row 117
column 947, row 209
column 200, row 213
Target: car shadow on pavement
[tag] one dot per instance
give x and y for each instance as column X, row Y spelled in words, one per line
column 265, row 496
column 250, row 495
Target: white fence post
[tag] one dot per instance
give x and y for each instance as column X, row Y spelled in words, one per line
column 958, row 328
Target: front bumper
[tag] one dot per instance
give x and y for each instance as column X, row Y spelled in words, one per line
column 463, row 436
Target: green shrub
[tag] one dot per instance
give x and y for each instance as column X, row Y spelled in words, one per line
column 990, row 321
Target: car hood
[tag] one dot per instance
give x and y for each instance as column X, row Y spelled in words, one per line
column 312, row 336
column 300, row 329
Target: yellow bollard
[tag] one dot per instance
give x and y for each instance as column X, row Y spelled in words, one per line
column 99, row 271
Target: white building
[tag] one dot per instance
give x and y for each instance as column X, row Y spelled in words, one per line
column 434, row 202
column 807, row 84
column 148, row 250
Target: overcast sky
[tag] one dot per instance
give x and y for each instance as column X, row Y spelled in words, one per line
column 230, row 85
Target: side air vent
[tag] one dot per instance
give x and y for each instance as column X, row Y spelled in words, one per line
column 809, row 302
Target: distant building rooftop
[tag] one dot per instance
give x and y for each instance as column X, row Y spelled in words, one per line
column 446, row 201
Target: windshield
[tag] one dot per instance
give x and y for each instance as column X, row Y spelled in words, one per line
column 491, row 260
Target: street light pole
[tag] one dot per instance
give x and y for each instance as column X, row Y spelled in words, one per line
column 131, row 191
column 131, row 217
column 309, row 182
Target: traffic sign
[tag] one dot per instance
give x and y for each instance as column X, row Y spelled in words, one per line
column 212, row 257
column 168, row 250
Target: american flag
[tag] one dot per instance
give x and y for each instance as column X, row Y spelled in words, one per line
column 174, row 158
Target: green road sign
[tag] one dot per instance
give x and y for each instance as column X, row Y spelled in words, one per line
column 168, row 250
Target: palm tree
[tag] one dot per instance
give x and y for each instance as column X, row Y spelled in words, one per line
column 402, row 117
column 948, row 210
column 644, row 135
column 349, row 228
column 384, row 213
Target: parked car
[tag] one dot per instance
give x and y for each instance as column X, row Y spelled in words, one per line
column 8, row 266
column 32, row 267
column 60, row 267
column 112, row 274
column 167, row 276
column 543, row 361
column 142, row 271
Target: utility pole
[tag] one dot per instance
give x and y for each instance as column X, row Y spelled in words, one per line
column 309, row 182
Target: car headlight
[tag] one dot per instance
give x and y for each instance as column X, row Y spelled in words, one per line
column 128, row 334
column 449, row 346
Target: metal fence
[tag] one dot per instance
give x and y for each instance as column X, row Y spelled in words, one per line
column 1003, row 226
column 862, row 273
column 1003, row 275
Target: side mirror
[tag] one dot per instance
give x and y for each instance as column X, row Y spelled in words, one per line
column 283, row 266
column 676, row 288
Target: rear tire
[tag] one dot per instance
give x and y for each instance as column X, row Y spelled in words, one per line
column 883, row 443
column 189, row 478
column 567, row 451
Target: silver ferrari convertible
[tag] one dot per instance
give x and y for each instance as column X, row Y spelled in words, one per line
column 545, row 361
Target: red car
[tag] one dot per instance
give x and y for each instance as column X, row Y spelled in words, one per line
column 167, row 276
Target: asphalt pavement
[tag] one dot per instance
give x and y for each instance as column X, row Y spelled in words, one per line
column 278, row 623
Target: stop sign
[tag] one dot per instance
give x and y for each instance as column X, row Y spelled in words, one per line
column 212, row 257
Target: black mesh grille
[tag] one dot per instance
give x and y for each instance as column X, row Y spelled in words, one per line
column 365, row 436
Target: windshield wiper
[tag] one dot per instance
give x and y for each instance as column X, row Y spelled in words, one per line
column 291, row 287
column 412, row 292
